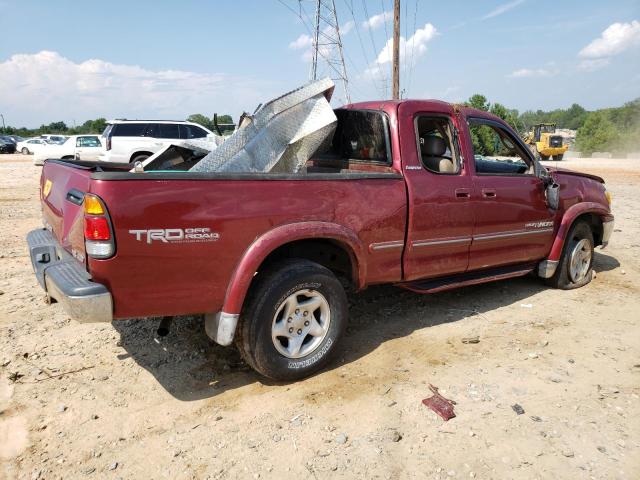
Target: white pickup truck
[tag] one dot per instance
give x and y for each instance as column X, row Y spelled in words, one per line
column 76, row 147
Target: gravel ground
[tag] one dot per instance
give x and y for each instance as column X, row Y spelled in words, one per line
column 112, row 401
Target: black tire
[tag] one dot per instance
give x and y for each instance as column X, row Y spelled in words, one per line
column 140, row 158
column 272, row 288
column 25, row 151
column 558, row 158
column 545, row 157
column 562, row 278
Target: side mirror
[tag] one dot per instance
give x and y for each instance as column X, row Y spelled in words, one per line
column 553, row 195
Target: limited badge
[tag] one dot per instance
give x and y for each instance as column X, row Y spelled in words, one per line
column 47, row 188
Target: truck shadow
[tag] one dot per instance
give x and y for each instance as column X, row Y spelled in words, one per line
column 191, row 367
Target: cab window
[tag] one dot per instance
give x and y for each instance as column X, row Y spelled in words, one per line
column 496, row 151
column 436, row 146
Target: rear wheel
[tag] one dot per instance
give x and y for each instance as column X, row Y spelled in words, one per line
column 558, row 158
column 140, row 158
column 295, row 317
column 575, row 267
column 25, row 151
column 544, row 157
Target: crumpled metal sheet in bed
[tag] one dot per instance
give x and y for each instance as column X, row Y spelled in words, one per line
column 281, row 136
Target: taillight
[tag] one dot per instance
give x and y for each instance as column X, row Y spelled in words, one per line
column 98, row 239
column 108, row 142
column 96, row 228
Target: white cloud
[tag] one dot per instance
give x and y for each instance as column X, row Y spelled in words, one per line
column 617, row 38
column 505, row 7
column 45, row 86
column 378, row 20
column 417, row 42
column 347, row 27
column 531, row 72
column 303, row 41
column 591, row 65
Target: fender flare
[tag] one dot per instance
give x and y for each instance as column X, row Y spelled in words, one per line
column 281, row 235
column 567, row 221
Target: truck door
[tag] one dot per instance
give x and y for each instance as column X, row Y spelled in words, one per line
column 440, row 219
column 513, row 222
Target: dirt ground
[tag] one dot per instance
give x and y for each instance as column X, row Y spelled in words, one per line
column 112, row 401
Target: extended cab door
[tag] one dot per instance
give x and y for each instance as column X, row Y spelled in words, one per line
column 513, row 222
column 440, row 216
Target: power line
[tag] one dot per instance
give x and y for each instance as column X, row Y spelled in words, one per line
column 384, row 78
column 364, row 52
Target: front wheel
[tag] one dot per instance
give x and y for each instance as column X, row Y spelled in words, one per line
column 25, row 151
column 558, row 158
column 295, row 317
column 575, row 267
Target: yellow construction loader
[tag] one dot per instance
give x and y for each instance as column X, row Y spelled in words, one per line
column 544, row 144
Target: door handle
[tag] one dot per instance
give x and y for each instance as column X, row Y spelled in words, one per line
column 462, row 193
column 488, row 193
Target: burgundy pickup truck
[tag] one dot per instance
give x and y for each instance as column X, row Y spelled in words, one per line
column 424, row 195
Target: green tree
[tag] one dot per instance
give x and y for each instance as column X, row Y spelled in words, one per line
column 479, row 101
column 57, row 127
column 597, row 134
column 201, row 120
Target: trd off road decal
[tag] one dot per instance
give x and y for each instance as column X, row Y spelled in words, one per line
column 176, row 235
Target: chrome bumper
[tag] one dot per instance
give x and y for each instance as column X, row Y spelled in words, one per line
column 607, row 230
column 66, row 281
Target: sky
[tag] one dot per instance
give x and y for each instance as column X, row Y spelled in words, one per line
column 72, row 61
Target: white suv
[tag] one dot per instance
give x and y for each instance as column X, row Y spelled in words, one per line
column 129, row 141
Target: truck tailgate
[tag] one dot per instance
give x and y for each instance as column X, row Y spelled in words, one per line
column 62, row 189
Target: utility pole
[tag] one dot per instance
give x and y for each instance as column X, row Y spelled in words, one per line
column 327, row 44
column 396, row 50
column 4, row 129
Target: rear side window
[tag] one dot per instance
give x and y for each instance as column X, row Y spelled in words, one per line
column 167, row 130
column 436, row 145
column 107, row 131
column 191, row 131
column 361, row 135
column 128, row 130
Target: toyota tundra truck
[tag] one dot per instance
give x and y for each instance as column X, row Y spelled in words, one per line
column 424, row 195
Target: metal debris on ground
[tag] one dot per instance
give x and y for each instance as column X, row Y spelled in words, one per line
column 15, row 376
column 517, row 408
column 280, row 136
column 475, row 339
column 442, row 406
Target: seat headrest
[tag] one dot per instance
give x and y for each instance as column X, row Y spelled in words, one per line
column 432, row 146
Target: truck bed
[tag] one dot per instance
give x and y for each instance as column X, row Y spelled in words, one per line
column 155, row 277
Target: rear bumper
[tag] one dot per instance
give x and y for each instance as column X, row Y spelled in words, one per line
column 66, row 281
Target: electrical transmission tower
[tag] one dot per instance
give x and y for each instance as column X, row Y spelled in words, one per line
column 327, row 44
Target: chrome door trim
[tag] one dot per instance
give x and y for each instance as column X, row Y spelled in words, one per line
column 451, row 241
column 513, row 233
column 386, row 245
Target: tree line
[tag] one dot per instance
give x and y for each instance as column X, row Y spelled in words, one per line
column 606, row 130
column 98, row 125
